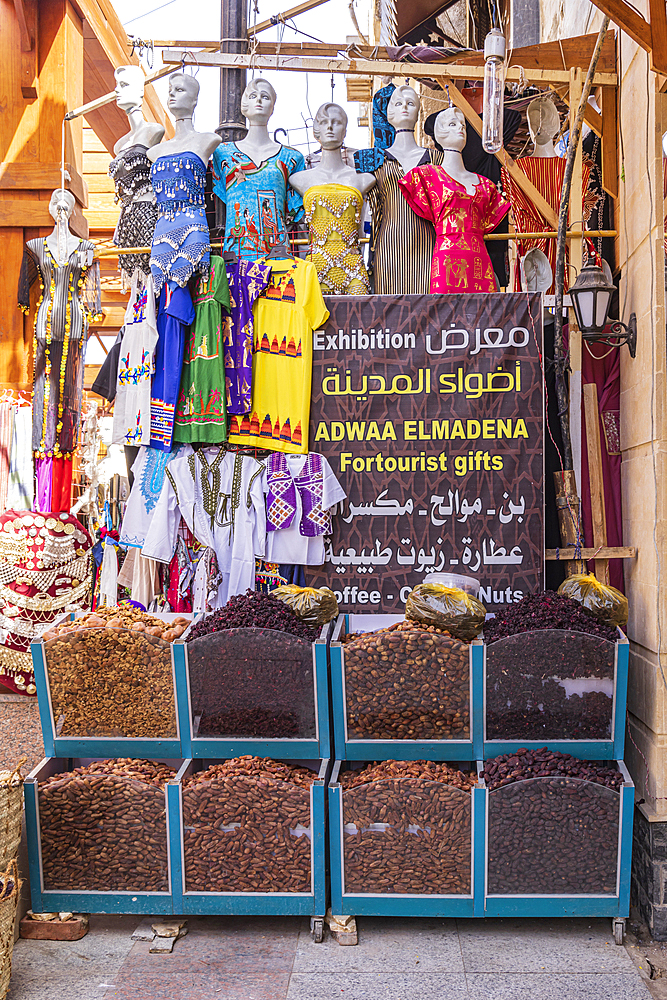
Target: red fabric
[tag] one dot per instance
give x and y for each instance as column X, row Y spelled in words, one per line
column 605, row 373
column 61, row 496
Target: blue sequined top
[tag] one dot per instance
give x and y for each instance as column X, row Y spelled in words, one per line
column 182, row 241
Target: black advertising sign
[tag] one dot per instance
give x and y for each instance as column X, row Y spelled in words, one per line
column 430, row 411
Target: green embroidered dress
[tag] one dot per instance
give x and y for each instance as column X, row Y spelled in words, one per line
column 201, row 415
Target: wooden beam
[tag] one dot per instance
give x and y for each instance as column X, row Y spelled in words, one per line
column 27, row 39
column 517, row 174
column 595, row 481
column 285, row 16
column 658, row 16
column 368, row 67
column 591, row 117
column 31, row 176
column 606, row 552
column 627, row 18
column 609, row 142
column 109, row 31
column 29, row 214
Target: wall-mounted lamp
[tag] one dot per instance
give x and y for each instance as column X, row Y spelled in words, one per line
column 591, row 297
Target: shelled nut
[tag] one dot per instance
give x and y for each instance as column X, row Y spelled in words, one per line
column 247, row 827
column 111, row 682
column 407, row 834
column 103, row 827
column 407, row 683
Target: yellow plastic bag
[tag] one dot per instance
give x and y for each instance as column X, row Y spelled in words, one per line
column 606, row 603
column 461, row 614
column 314, row 607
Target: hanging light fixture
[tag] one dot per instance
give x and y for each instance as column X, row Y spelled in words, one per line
column 494, row 91
column 591, row 297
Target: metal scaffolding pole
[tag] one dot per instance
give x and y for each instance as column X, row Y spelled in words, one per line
column 233, row 35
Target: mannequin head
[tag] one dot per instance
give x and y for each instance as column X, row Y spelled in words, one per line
column 183, row 95
column 403, row 108
column 536, row 273
column 450, row 129
column 543, row 120
column 129, row 87
column 258, row 101
column 62, row 203
column 330, row 126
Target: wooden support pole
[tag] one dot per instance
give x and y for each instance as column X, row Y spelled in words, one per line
column 595, row 477
column 609, row 141
column 285, row 16
column 577, row 255
column 607, row 552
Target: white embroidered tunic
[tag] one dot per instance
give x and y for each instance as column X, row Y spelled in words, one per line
column 136, row 364
column 220, row 496
column 148, row 470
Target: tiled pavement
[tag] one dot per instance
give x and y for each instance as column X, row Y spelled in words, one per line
column 274, row 958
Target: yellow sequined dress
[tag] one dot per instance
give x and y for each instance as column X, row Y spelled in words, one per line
column 333, row 212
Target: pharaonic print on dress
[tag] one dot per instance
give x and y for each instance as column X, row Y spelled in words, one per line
column 461, row 262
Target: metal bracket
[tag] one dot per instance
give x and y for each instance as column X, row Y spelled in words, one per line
column 618, row 335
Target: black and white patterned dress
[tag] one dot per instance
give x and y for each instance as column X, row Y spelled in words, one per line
column 131, row 174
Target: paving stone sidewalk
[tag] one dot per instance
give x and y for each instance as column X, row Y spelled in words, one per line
column 274, row 958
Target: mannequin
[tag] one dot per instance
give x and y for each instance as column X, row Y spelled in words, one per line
column 181, row 242
column 250, row 179
column 543, row 125
column 333, row 197
column 182, row 101
column 403, row 113
column 536, row 273
column 61, row 260
column 447, row 196
column 545, row 169
column 130, row 171
column 129, row 98
column 329, row 129
column 402, row 242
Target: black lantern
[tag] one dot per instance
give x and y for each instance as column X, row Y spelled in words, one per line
column 591, row 297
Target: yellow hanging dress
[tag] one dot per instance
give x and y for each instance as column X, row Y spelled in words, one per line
column 333, row 212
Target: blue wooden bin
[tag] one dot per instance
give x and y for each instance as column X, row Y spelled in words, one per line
column 266, row 692
column 557, row 688
column 312, row 902
column 53, row 710
column 45, row 899
column 357, row 897
column 608, row 893
column 350, row 747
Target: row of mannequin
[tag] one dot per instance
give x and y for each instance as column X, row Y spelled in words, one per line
column 429, row 213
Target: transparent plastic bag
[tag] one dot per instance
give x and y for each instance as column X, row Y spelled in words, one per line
column 603, row 601
column 312, row 606
column 461, row 614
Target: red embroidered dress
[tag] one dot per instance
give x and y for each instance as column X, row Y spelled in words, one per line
column 460, row 259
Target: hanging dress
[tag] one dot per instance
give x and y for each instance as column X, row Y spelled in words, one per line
column 136, row 364
column 70, row 297
column 201, row 415
column 333, row 212
column 131, row 174
column 260, row 204
column 402, row 242
column 460, row 259
column 182, row 241
column 174, row 315
column 286, row 313
column 246, row 279
column 546, row 173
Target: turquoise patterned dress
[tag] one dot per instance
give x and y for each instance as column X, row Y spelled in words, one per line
column 260, row 203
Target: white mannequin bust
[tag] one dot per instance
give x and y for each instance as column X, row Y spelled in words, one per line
column 129, row 98
column 450, row 133
column 257, row 104
column 329, row 128
column 61, row 242
column 402, row 113
column 543, row 125
column 536, row 273
column 183, row 95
